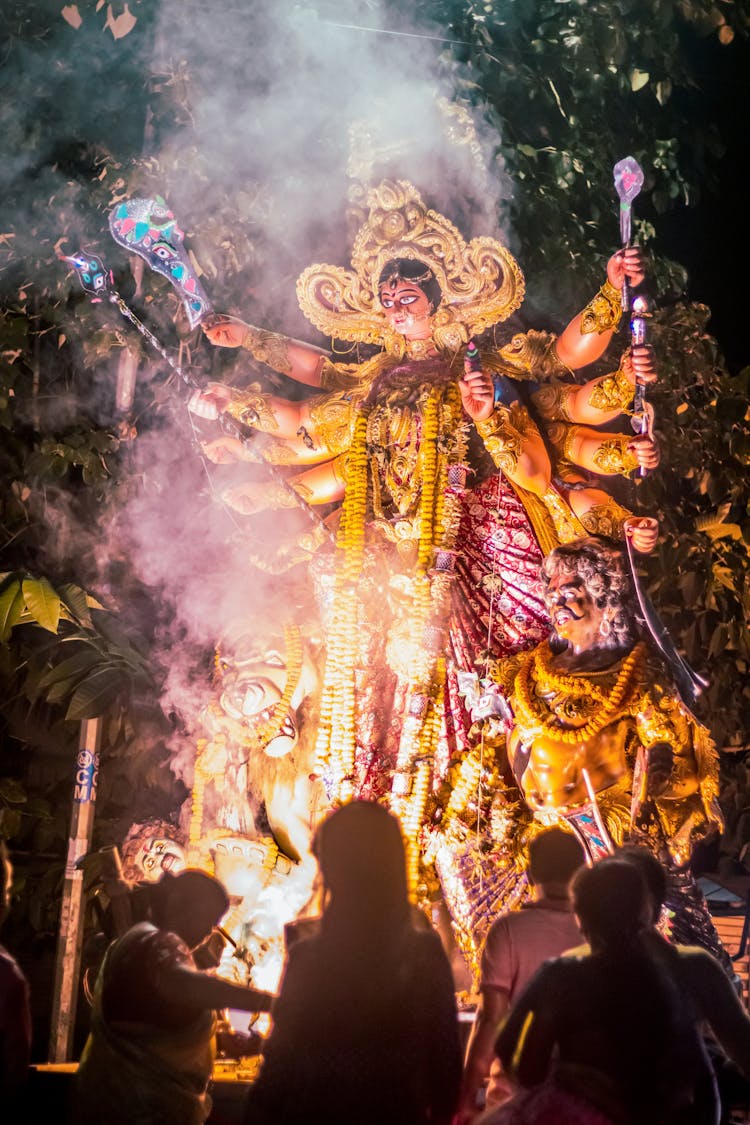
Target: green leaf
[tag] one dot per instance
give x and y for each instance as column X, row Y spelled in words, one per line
column 60, row 690
column 95, row 694
column 42, row 603
column 12, row 791
column 76, row 600
column 71, row 667
column 11, row 608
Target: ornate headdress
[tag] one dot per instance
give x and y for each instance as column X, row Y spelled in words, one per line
column 481, row 282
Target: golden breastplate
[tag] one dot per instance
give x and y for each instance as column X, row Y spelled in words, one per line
column 553, row 777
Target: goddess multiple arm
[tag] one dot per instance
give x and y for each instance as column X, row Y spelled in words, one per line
column 318, row 432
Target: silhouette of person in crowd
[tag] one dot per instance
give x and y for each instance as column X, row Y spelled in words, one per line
column 150, row 1052
column 365, row 1025
column 517, row 943
column 612, row 1037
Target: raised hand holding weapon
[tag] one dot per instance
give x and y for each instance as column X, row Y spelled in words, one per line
column 628, row 176
column 643, row 412
column 97, row 280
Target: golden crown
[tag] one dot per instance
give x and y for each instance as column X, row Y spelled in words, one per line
column 481, row 282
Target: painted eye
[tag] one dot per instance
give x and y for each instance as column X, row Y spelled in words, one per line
column 166, row 253
column 386, row 302
column 274, row 659
column 408, row 300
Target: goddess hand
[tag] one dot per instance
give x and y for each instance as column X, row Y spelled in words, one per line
column 643, row 531
column 248, row 499
column 477, row 393
column 224, row 331
column 646, row 451
column 224, row 450
column 639, row 365
column 212, row 402
column 627, row 263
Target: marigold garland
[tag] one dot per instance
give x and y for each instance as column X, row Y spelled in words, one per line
column 532, row 712
column 443, row 443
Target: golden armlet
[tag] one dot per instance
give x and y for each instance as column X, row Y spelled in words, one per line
column 501, row 438
column 603, row 312
column 567, row 525
column 254, row 409
column 330, row 379
column 551, row 400
column 269, row 348
column 614, row 457
column 613, row 392
column 606, row 519
column 563, row 437
column 277, row 495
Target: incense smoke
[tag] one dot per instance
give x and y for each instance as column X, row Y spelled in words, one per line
column 283, row 107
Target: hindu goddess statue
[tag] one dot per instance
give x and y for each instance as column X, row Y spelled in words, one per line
column 453, row 453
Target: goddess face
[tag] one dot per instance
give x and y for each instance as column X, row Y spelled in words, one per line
column 407, row 309
column 574, row 613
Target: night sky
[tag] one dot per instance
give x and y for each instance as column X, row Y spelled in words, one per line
column 713, row 239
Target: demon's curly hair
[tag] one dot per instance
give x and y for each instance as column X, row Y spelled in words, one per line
column 602, row 567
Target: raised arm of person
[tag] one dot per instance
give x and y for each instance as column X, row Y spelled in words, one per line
column 323, row 484
column 599, row 400
column 510, row 435
column 178, row 984
column 304, row 433
column 589, row 333
column 268, row 413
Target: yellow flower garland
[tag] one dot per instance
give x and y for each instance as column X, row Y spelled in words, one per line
column 443, row 442
column 531, row 713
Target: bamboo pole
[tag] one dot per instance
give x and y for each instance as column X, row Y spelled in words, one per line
column 70, row 936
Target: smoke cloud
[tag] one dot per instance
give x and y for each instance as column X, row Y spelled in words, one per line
column 284, row 108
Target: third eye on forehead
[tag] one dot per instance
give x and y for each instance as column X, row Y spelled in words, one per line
column 400, row 290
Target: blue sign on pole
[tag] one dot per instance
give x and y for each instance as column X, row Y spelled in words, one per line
column 87, row 775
